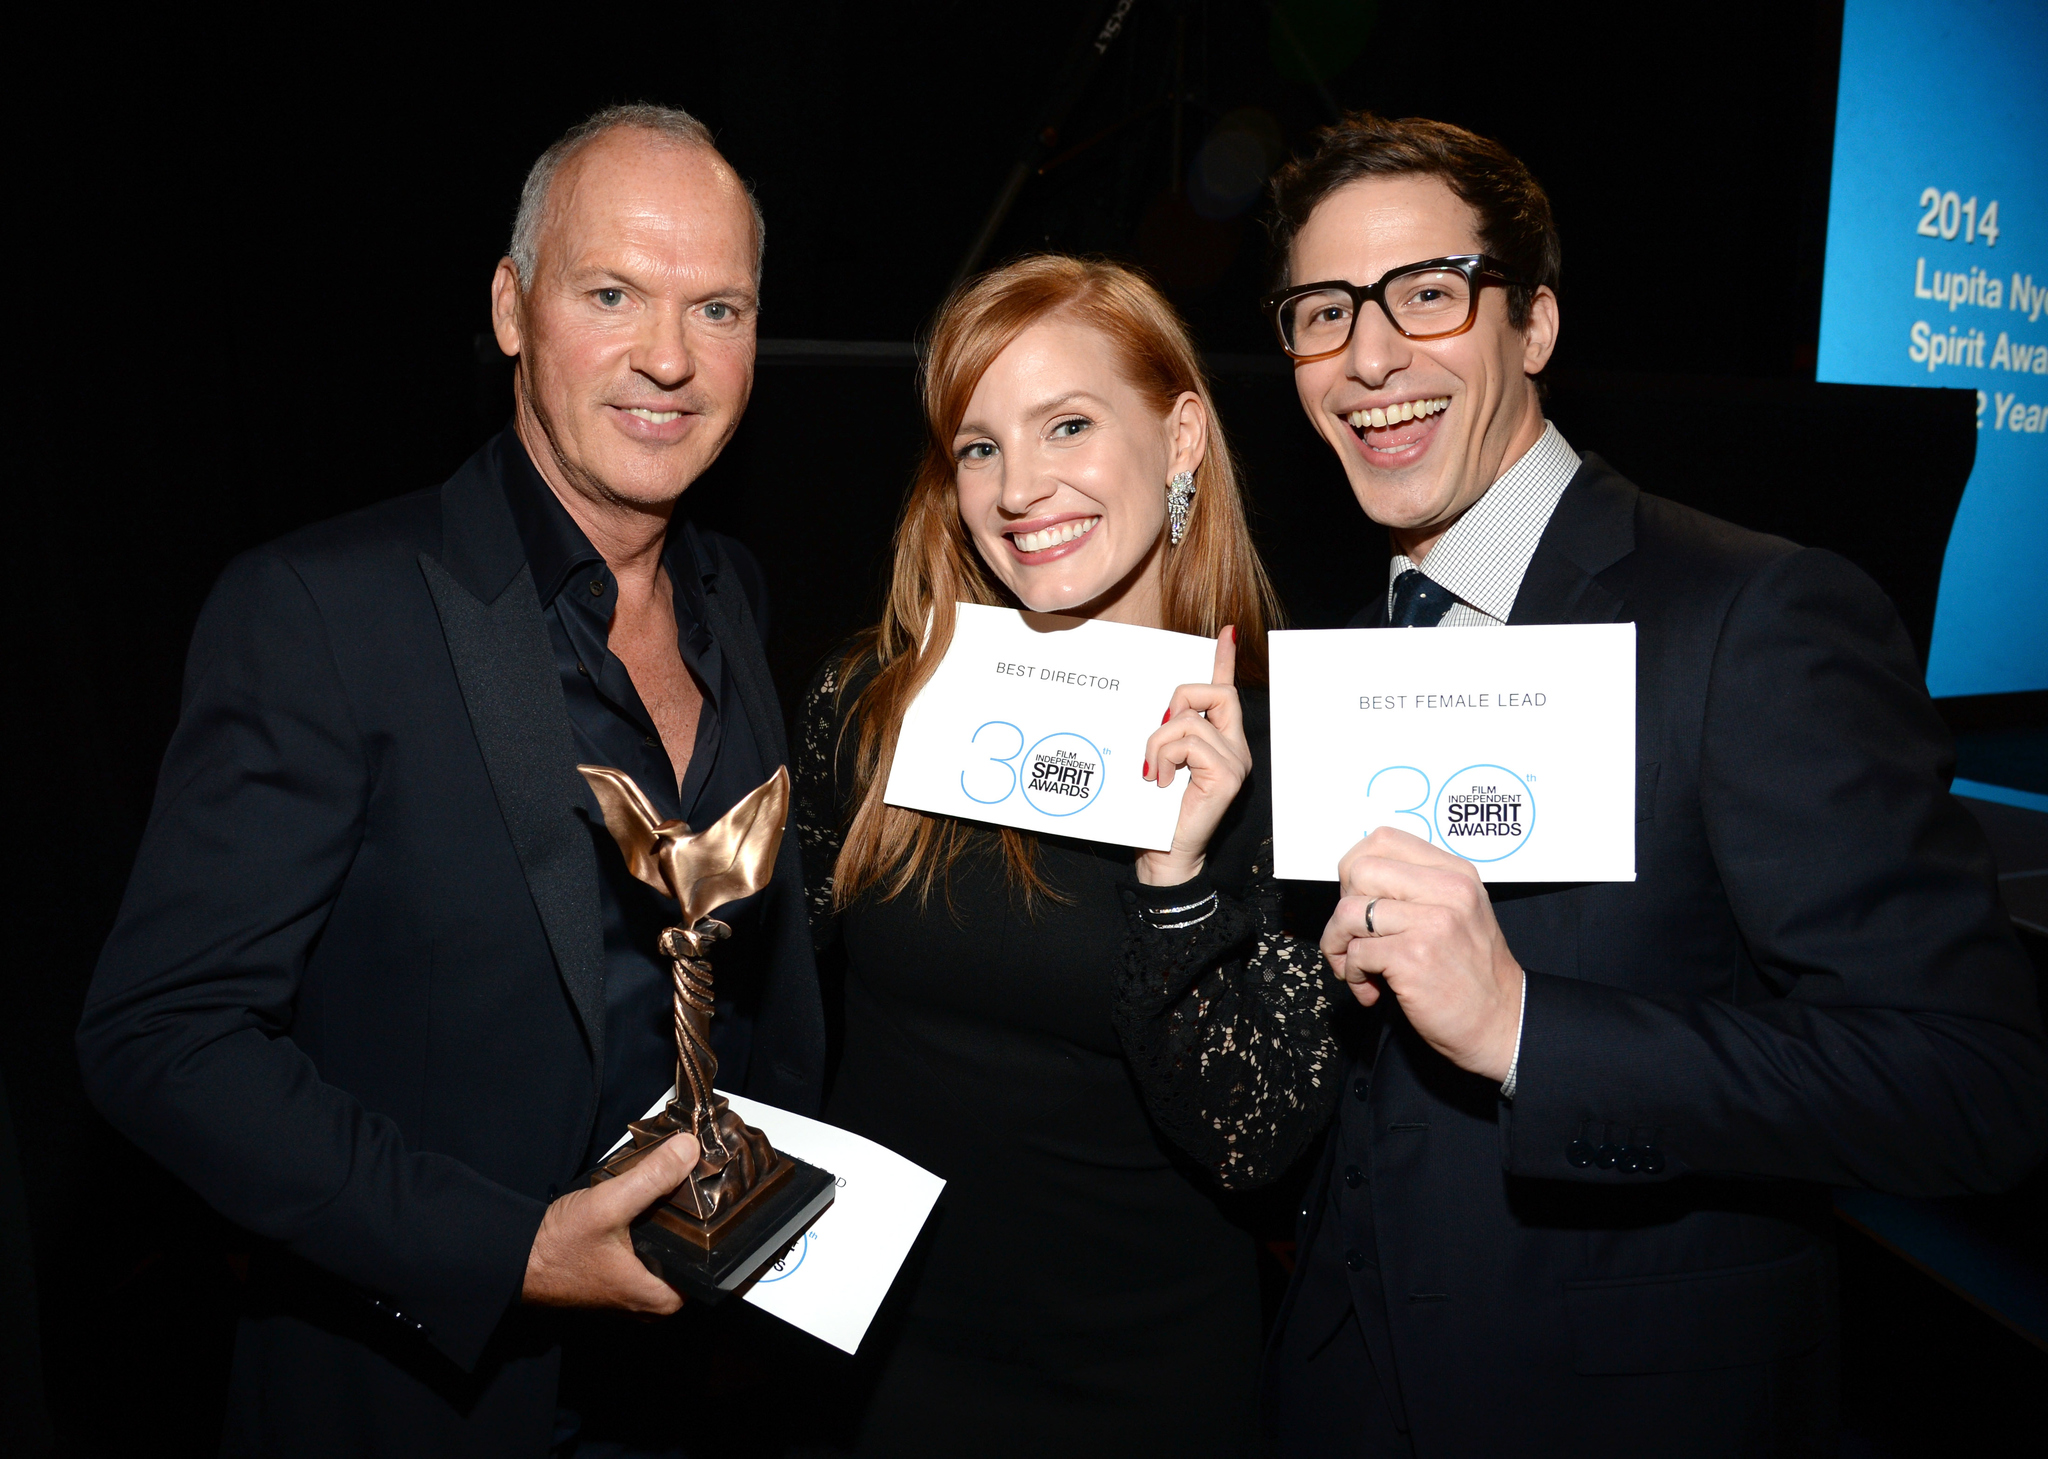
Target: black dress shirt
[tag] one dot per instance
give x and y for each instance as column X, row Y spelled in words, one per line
column 611, row 726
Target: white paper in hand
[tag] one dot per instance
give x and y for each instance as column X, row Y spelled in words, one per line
column 833, row 1281
column 1042, row 723
column 1514, row 747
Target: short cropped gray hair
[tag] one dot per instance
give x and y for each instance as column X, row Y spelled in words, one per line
column 669, row 122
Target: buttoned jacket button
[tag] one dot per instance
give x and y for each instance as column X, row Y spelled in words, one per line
column 1653, row 1161
column 1355, row 1260
column 1630, row 1160
column 1579, row 1153
column 1607, row 1156
column 1360, row 1088
column 1353, row 1176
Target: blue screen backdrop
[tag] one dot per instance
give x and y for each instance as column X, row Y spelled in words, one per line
column 1937, row 267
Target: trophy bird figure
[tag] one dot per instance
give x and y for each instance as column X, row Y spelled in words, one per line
column 700, row 871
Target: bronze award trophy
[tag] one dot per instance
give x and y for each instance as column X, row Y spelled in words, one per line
column 745, row 1202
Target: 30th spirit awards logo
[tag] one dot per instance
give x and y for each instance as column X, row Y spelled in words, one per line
column 1058, row 775
column 1483, row 812
column 1065, row 774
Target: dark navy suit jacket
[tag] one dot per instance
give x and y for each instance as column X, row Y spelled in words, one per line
column 355, row 995
column 1811, row 983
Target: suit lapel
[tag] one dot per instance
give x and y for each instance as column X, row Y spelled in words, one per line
column 1592, row 528
column 731, row 622
column 505, row 665
column 789, row 1040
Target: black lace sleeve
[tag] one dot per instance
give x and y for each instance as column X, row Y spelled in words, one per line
column 818, row 812
column 1226, row 1020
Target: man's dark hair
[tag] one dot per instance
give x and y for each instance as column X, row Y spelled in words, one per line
column 1514, row 214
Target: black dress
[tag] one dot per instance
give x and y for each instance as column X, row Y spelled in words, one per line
column 1080, row 1288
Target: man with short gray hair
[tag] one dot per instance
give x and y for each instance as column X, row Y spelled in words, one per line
column 669, row 123
column 382, row 987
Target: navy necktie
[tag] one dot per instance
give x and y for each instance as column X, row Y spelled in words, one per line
column 1418, row 602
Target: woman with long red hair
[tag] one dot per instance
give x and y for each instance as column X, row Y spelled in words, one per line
column 1025, row 1014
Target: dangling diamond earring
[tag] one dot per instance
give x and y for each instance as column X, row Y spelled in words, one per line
column 1180, row 497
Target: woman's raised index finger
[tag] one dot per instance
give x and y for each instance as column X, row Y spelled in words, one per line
column 1226, row 656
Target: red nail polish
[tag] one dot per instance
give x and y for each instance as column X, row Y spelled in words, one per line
column 1166, row 716
column 1146, row 773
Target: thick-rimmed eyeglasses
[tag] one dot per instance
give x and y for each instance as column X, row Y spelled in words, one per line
column 1434, row 299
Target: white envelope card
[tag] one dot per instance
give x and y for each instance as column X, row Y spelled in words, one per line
column 1041, row 723
column 832, row 1281
column 1513, row 747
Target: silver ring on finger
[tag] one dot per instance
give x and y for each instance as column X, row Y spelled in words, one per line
column 1370, row 930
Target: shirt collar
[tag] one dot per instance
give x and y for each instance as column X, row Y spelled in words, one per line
column 1483, row 556
column 688, row 558
column 556, row 548
column 555, row 545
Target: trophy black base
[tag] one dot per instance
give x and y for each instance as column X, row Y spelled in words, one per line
column 675, row 1248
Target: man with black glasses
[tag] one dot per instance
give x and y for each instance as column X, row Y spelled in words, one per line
column 1576, row 1197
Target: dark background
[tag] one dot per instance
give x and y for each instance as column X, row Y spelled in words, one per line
column 254, row 270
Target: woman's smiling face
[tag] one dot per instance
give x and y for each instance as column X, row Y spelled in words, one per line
column 1062, row 467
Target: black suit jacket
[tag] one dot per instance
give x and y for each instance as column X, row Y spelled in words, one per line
column 355, row 994
column 1811, row 982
